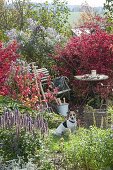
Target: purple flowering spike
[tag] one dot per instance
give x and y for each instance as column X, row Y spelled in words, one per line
column 18, row 119
column 17, row 130
column 35, row 123
column 45, row 129
column 41, row 122
column 15, row 119
column 12, row 118
column 27, row 121
column 17, row 114
column 16, row 111
column 30, row 126
column 46, row 126
column 8, row 123
column 22, row 121
column 1, row 124
column 0, row 121
column 6, row 115
column 38, row 123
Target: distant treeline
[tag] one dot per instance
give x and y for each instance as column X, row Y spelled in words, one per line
column 80, row 8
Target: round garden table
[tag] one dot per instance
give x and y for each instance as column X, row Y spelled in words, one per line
column 92, row 79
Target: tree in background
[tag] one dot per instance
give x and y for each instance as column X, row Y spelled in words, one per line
column 87, row 14
column 16, row 13
column 37, row 43
column 54, row 15
column 36, row 27
column 108, row 6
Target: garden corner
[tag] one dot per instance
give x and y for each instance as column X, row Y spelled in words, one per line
column 56, row 86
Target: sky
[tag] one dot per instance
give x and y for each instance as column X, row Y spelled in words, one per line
column 93, row 3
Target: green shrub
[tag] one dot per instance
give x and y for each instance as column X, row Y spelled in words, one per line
column 88, row 149
column 23, row 144
column 18, row 164
column 7, row 102
column 53, row 119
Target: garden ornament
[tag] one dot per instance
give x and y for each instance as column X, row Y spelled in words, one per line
column 70, row 123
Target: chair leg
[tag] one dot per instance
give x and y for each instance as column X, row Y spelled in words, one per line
column 43, row 94
column 69, row 97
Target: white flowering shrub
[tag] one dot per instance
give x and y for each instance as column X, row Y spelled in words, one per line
column 37, row 42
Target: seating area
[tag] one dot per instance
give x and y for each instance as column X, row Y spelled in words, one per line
column 61, row 83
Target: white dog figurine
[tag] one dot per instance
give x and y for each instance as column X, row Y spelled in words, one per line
column 70, row 123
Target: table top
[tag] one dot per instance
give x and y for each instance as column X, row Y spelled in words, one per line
column 90, row 77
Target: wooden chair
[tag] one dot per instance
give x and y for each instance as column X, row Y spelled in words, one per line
column 60, row 82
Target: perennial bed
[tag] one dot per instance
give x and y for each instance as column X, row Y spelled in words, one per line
column 87, row 149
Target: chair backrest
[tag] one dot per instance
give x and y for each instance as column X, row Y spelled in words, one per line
column 45, row 73
column 60, row 82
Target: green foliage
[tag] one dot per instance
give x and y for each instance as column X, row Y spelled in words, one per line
column 15, row 15
column 54, row 15
column 3, row 37
column 87, row 149
column 108, row 6
column 18, row 164
column 7, row 102
column 23, row 144
column 37, row 49
column 53, row 119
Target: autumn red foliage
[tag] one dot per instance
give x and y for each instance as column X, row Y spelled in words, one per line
column 8, row 54
column 17, row 82
column 85, row 53
column 25, row 87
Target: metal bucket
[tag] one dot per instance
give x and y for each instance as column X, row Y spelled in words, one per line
column 63, row 109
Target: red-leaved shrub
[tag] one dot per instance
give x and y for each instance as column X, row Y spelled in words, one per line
column 85, row 53
column 25, row 86
column 18, row 82
column 8, row 54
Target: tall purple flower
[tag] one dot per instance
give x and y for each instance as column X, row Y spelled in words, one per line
column 15, row 119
